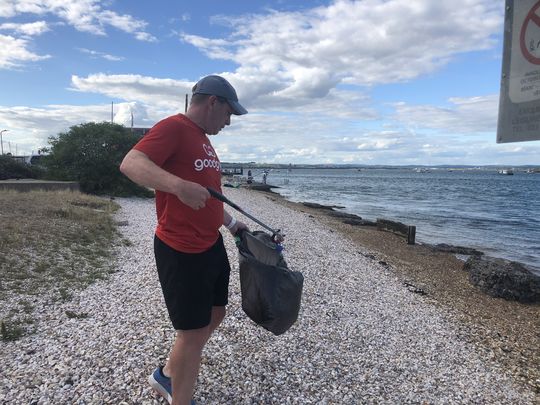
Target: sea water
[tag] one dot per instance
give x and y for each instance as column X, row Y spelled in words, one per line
column 497, row 214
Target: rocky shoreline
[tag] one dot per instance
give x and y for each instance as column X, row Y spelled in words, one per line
column 363, row 336
column 505, row 330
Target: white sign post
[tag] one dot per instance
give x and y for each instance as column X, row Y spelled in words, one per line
column 519, row 105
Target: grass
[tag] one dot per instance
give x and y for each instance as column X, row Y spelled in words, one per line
column 52, row 243
column 11, row 330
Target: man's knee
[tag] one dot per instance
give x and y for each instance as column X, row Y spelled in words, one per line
column 192, row 339
column 196, row 338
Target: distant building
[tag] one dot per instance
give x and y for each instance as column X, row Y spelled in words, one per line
column 231, row 169
column 28, row 159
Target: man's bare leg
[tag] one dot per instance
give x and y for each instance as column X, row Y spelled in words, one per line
column 185, row 358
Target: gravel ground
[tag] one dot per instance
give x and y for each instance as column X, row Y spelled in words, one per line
column 362, row 336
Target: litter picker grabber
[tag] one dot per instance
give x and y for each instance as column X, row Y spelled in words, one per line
column 277, row 236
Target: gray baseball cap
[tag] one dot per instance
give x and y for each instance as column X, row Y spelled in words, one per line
column 217, row 86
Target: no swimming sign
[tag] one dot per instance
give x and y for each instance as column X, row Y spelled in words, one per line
column 519, row 105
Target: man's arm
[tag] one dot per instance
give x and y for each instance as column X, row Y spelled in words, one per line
column 140, row 169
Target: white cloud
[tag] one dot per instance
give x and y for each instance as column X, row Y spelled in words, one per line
column 83, row 15
column 15, row 51
column 463, row 116
column 356, row 42
column 128, row 113
column 255, row 93
column 145, row 36
column 171, row 93
column 167, row 93
column 28, row 29
column 125, row 23
column 29, row 128
column 181, row 19
column 97, row 54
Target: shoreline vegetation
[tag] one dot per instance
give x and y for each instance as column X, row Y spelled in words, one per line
column 507, row 332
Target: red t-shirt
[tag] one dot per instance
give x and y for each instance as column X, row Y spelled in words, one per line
column 179, row 146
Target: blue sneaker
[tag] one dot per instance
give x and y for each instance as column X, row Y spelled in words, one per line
column 162, row 384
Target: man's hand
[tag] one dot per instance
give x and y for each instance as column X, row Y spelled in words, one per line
column 192, row 194
column 238, row 226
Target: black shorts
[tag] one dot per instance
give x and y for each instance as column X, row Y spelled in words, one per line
column 192, row 283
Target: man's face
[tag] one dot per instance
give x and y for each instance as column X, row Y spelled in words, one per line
column 219, row 116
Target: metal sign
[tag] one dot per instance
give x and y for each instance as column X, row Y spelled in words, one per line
column 519, row 105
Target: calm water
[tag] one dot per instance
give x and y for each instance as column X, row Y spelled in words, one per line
column 497, row 214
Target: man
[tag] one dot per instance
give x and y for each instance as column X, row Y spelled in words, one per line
column 177, row 159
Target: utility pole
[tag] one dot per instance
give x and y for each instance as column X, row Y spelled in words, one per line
column 2, row 141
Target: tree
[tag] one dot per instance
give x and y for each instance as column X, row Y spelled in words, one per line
column 91, row 154
column 12, row 169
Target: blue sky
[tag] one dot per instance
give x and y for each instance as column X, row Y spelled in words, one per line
column 367, row 82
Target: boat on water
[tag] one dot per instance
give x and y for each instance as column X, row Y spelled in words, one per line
column 532, row 171
column 508, row 172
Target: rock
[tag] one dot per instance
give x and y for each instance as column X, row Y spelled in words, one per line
column 321, row 206
column 344, row 215
column 503, row 278
column 414, row 289
column 261, row 187
column 392, row 226
column 359, row 222
column 461, row 250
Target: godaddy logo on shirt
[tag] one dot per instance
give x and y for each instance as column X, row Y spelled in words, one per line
column 210, row 162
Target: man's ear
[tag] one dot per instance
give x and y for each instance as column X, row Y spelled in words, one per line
column 212, row 100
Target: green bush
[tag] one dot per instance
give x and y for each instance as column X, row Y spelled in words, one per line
column 91, row 154
column 13, row 169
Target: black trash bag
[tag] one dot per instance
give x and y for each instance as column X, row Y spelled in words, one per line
column 271, row 293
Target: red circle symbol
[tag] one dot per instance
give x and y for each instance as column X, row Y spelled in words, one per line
column 531, row 18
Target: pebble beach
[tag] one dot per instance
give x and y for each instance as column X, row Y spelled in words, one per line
column 362, row 337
